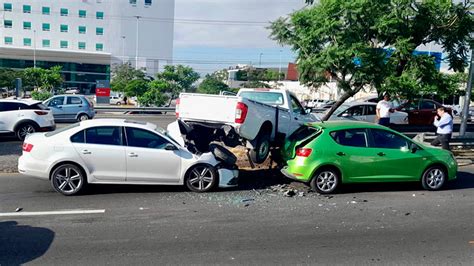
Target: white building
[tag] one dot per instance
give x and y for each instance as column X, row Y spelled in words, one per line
column 86, row 37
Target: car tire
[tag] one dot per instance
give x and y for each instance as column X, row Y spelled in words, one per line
column 82, row 117
column 118, row 103
column 262, row 148
column 325, row 181
column 24, row 129
column 433, row 178
column 201, row 178
column 68, row 179
column 223, row 154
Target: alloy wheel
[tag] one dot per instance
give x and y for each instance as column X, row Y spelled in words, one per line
column 67, row 180
column 25, row 130
column 326, row 181
column 201, row 178
column 435, row 178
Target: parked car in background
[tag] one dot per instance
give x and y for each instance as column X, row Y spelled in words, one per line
column 117, row 151
column 332, row 153
column 254, row 118
column 116, row 100
column 421, row 111
column 24, row 117
column 365, row 111
column 70, row 107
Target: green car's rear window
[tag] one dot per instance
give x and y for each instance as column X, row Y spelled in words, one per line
column 302, row 133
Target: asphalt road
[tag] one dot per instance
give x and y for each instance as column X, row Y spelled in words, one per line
column 363, row 225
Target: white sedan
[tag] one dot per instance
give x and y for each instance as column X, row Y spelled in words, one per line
column 117, row 151
column 365, row 111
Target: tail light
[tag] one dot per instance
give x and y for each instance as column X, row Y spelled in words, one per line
column 303, row 152
column 41, row 112
column 27, row 147
column 241, row 113
column 177, row 107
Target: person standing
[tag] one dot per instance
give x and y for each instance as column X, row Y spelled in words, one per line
column 444, row 122
column 383, row 109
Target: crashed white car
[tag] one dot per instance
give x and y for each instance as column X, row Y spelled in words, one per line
column 117, row 151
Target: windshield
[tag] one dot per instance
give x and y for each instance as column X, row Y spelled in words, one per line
column 339, row 110
column 164, row 132
column 271, row 98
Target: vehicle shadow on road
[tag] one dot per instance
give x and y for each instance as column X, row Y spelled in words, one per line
column 20, row 244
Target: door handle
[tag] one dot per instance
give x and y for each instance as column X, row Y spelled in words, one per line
column 80, row 106
column 86, row 152
column 132, row 154
column 381, row 154
column 340, row 153
column 296, row 118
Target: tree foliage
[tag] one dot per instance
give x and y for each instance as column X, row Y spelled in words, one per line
column 123, row 74
column 179, row 78
column 7, row 78
column 258, row 75
column 42, row 79
column 370, row 43
column 155, row 95
column 212, row 85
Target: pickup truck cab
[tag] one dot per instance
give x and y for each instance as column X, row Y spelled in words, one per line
column 255, row 118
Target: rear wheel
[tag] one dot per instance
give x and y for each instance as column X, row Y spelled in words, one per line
column 68, row 179
column 25, row 129
column 433, row 178
column 260, row 153
column 325, row 181
column 201, row 178
column 82, row 117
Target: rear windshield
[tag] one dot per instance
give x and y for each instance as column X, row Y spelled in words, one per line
column 38, row 106
column 271, row 98
column 52, row 133
column 302, row 133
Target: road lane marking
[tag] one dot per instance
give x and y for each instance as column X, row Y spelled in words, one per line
column 10, row 214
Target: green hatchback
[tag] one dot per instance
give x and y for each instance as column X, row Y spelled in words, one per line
column 336, row 152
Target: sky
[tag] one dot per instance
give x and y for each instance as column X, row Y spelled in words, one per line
column 214, row 34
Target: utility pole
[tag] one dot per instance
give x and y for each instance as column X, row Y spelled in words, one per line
column 467, row 99
column 279, row 68
column 34, row 48
column 260, row 60
column 136, row 44
column 123, row 49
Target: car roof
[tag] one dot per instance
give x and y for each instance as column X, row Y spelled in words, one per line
column 344, row 124
column 358, row 103
column 117, row 122
column 24, row 101
column 64, row 95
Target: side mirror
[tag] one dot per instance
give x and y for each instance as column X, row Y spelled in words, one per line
column 413, row 147
column 170, row 147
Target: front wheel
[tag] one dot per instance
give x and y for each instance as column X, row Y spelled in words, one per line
column 201, row 178
column 325, row 181
column 433, row 178
column 260, row 153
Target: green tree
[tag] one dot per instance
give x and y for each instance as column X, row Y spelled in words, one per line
column 212, row 85
column 347, row 41
column 42, row 79
column 8, row 76
column 136, row 87
column 179, row 78
column 155, row 95
column 124, row 73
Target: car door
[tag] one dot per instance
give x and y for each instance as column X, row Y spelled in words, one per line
column 351, row 153
column 427, row 112
column 9, row 115
column 73, row 106
column 102, row 151
column 394, row 159
column 56, row 105
column 148, row 160
column 370, row 113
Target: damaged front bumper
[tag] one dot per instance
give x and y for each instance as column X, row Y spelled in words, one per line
column 228, row 177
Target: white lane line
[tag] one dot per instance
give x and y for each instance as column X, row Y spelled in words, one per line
column 10, row 214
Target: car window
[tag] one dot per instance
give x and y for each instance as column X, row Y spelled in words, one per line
column 38, row 106
column 302, row 133
column 272, row 98
column 79, row 137
column 388, row 140
column 74, row 100
column 104, row 135
column 57, row 131
column 295, row 105
column 357, row 110
column 144, row 139
column 370, row 110
column 428, row 105
column 351, row 137
column 6, row 106
column 56, row 101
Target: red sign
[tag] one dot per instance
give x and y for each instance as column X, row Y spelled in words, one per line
column 102, row 92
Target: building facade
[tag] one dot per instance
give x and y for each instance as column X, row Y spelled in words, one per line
column 86, row 37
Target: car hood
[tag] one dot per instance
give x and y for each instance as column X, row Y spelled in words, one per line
column 173, row 131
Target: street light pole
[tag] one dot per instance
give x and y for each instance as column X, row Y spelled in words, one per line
column 279, row 67
column 34, row 48
column 123, row 49
column 467, row 99
column 136, row 44
column 260, row 60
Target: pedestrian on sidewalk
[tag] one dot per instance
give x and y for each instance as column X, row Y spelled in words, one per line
column 444, row 122
column 383, row 110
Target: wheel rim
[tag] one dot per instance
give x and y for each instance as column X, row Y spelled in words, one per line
column 68, row 180
column 201, row 178
column 26, row 130
column 83, row 117
column 435, row 178
column 264, row 148
column 326, row 181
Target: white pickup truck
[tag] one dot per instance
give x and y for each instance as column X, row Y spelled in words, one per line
column 255, row 118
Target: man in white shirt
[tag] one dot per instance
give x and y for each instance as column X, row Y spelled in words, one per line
column 384, row 108
column 444, row 122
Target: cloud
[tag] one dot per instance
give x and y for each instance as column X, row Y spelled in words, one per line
column 208, row 22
